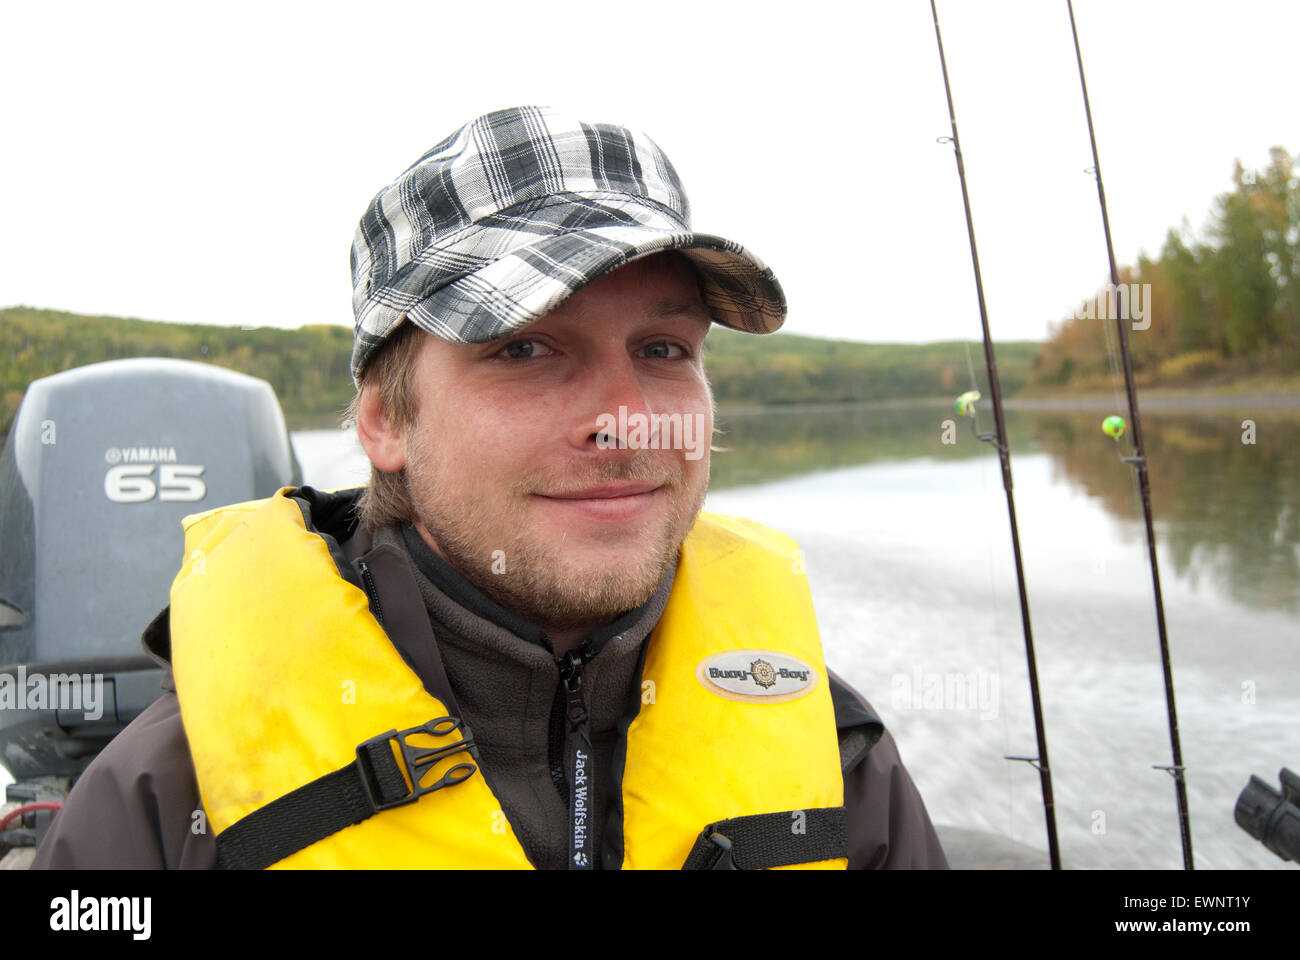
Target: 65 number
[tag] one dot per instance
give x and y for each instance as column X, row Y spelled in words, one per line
column 133, row 483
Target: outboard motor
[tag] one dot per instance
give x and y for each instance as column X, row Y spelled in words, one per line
column 101, row 464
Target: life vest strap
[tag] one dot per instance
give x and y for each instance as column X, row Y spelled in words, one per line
column 371, row 783
column 766, row 840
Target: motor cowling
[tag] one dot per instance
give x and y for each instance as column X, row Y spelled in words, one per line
column 100, row 465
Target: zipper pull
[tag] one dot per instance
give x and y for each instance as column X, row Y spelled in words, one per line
column 571, row 674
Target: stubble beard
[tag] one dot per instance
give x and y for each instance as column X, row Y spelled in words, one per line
column 548, row 583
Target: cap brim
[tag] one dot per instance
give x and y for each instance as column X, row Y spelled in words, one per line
column 527, row 284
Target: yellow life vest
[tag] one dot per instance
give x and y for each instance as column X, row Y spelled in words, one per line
column 281, row 671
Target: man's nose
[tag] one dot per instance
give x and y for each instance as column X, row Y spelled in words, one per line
column 614, row 403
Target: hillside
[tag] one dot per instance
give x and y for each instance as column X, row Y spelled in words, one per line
column 308, row 367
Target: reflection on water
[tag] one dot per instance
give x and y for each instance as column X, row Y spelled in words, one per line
column 1229, row 510
column 768, row 445
column 1226, row 510
column 909, row 561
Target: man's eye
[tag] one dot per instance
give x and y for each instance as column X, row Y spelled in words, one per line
column 664, row 351
column 524, row 349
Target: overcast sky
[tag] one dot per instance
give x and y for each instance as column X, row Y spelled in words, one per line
column 208, row 163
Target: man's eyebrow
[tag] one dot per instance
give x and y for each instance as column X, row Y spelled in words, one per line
column 673, row 307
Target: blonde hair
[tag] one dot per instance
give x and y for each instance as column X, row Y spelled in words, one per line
column 387, row 499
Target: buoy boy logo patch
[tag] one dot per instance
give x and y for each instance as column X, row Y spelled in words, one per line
column 756, row 676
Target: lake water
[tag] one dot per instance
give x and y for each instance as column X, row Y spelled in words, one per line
column 907, row 551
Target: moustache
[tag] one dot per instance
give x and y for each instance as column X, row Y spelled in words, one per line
column 644, row 468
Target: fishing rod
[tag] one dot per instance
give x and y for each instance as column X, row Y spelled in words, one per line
column 1139, row 460
column 999, row 439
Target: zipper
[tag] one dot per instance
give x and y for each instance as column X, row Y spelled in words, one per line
column 579, row 767
column 372, row 593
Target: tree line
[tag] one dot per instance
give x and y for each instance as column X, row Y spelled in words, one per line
column 1223, row 304
column 309, row 367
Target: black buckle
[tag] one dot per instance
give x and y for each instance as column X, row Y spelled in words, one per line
column 417, row 761
column 722, row 859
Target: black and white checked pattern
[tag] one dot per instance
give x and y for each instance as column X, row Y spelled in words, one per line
column 496, row 225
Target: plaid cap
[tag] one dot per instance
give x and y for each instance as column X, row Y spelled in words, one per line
column 496, row 225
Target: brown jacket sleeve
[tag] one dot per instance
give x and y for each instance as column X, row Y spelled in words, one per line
column 889, row 828
column 134, row 807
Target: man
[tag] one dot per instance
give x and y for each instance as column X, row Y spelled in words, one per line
column 523, row 644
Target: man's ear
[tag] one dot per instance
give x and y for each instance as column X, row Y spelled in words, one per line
column 381, row 440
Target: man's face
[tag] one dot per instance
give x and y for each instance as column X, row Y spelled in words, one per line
column 526, row 476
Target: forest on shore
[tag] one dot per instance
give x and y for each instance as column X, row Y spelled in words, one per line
column 1222, row 305
column 309, row 367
